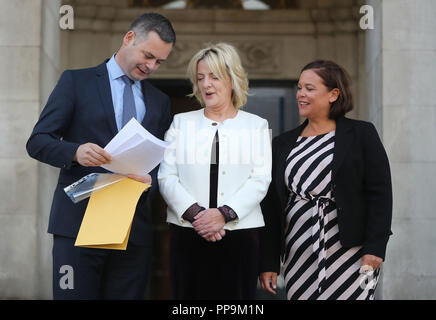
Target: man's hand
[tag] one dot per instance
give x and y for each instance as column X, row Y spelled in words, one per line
column 144, row 179
column 91, row 155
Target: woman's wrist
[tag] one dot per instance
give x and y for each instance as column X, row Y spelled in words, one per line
column 192, row 211
column 228, row 213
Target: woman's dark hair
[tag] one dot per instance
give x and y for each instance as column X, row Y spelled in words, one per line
column 334, row 76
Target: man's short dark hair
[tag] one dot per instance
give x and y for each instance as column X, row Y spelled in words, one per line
column 153, row 22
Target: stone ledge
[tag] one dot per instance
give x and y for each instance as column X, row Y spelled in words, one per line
column 212, row 26
column 220, row 15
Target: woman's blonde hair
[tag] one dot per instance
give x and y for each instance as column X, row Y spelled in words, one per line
column 224, row 62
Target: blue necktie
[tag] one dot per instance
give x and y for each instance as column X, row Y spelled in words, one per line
column 129, row 109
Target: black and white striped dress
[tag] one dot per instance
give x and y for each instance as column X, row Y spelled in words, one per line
column 316, row 266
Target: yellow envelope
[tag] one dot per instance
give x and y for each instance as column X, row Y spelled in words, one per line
column 109, row 214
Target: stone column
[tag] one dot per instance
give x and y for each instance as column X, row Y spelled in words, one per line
column 373, row 69
column 372, row 84
column 25, row 52
column 409, row 130
column 20, row 44
column 47, row 175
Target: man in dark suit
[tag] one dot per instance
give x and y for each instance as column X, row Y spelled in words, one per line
column 83, row 113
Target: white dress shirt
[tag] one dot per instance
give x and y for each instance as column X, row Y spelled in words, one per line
column 117, row 90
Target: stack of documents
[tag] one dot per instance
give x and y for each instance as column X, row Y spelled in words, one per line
column 109, row 214
column 134, row 150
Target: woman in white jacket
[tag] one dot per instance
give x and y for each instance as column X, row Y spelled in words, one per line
column 215, row 174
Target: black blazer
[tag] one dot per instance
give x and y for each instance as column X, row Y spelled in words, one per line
column 80, row 110
column 361, row 185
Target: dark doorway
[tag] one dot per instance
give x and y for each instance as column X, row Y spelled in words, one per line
column 160, row 283
column 276, row 102
column 272, row 100
column 178, row 91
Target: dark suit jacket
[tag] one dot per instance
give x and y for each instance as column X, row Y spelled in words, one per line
column 80, row 110
column 361, row 185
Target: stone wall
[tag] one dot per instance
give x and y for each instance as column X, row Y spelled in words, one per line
column 400, row 73
column 19, row 102
column 30, row 66
column 409, row 131
column 274, row 44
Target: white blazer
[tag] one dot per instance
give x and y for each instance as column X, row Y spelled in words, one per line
column 244, row 166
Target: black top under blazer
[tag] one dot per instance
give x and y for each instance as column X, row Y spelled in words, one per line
column 361, row 186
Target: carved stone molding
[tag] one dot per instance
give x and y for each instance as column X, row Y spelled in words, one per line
column 260, row 58
column 273, row 44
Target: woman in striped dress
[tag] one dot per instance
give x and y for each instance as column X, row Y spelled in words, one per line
column 328, row 209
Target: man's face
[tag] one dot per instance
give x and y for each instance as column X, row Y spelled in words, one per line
column 139, row 58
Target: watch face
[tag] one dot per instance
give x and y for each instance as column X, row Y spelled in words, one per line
column 232, row 214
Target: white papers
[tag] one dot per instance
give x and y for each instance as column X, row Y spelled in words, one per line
column 134, row 150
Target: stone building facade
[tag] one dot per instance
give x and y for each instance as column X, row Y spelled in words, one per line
column 392, row 66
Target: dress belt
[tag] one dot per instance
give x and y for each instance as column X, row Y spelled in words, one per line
column 319, row 223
